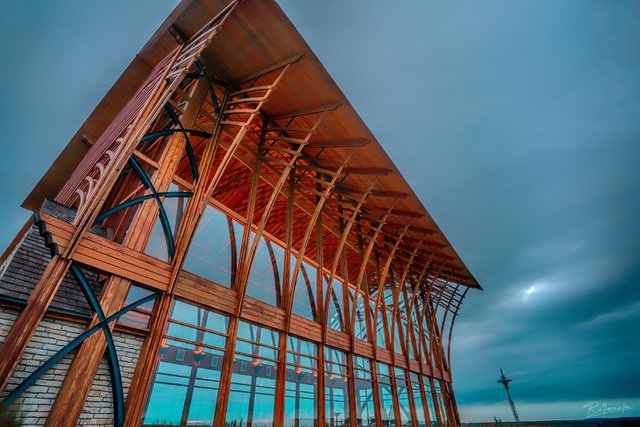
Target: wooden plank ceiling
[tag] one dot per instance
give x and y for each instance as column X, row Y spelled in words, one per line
column 257, row 36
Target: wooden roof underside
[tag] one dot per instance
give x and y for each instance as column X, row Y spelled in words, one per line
column 256, row 36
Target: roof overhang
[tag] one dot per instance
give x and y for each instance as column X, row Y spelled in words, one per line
column 256, row 36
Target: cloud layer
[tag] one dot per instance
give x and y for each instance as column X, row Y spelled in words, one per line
column 515, row 122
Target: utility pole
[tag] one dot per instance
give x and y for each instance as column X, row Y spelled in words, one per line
column 505, row 382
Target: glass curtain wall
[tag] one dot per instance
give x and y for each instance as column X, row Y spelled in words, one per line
column 336, row 383
column 404, row 396
column 386, row 392
column 214, row 248
column 416, row 390
column 365, row 402
column 301, row 391
column 187, row 378
column 430, row 401
column 442, row 406
column 253, row 382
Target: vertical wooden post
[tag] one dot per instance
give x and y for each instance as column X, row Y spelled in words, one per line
column 70, row 400
column 69, row 403
column 25, row 325
column 281, row 380
column 226, row 374
column 145, row 368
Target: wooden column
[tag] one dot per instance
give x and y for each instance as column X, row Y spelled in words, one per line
column 226, row 374
column 25, row 325
column 70, row 401
column 145, row 368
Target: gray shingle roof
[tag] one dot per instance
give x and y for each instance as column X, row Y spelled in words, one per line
column 27, row 263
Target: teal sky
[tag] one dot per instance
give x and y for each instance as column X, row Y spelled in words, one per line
column 516, row 123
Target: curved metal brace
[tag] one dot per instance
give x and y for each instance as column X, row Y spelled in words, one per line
column 164, row 219
column 185, row 132
column 31, row 379
column 202, row 73
column 140, row 199
column 165, row 132
column 112, row 358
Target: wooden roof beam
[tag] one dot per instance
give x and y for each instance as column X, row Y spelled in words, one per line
column 391, row 194
column 399, row 212
column 332, row 106
column 344, row 189
column 339, row 144
column 412, row 228
column 368, row 171
column 289, row 61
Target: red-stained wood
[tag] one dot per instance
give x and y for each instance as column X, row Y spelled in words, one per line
column 77, row 382
column 307, row 169
column 25, row 325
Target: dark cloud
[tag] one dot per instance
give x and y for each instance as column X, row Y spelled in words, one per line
column 515, row 122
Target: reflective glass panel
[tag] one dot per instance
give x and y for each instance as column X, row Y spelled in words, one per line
column 365, row 404
column 380, row 337
column 266, row 272
column 430, row 402
column 213, row 247
column 138, row 317
column 335, row 319
column 417, row 399
column 360, row 329
column 404, row 396
column 253, row 382
column 185, row 387
column 304, row 298
column 385, row 389
column 301, row 388
column 336, row 388
column 397, row 334
column 158, row 244
column 440, row 395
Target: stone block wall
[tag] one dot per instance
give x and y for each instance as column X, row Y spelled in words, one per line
column 51, row 335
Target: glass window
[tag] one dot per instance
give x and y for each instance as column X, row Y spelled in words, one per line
column 186, row 383
column 360, row 329
column 414, row 344
column 336, row 387
column 404, row 397
column 397, row 334
column 214, row 247
column 304, row 299
column 388, row 295
column 406, row 339
column 417, row 310
column 428, row 355
column 440, row 395
column 252, row 392
column 266, row 272
column 158, row 245
column 416, row 390
column 301, row 392
column 128, row 188
column 385, row 389
column 430, row 402
column 335, row 319
column 380, row 327
column 138, row 317
column 363, row 379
